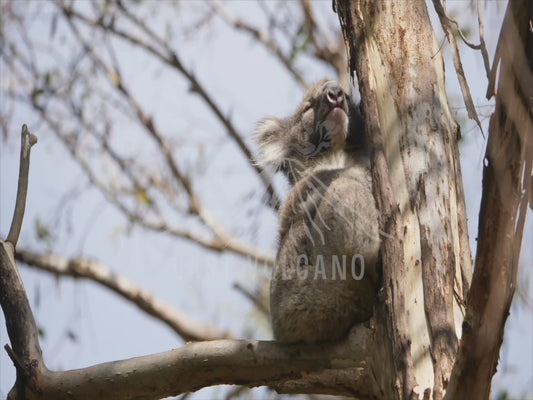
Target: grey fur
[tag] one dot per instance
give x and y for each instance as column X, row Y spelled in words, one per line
column 330, row 213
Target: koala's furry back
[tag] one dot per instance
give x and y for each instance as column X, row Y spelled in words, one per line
column 329, row 213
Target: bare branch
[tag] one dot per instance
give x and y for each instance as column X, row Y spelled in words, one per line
column 261, row 36
column 20, row 323
column 80, row 267
column 197, row 365
column 115, row 80
column 19, row 365
column 223, row 238
column 222, row 242
column 169, row 57
column 465, row 89
column 26, row 141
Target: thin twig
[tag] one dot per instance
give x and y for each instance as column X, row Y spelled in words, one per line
column 20, row 324
column 16, row 360
column 27, row 140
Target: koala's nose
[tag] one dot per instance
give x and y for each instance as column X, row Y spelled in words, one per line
column 335, row 95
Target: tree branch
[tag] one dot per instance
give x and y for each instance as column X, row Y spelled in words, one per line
column 197, row 365
column 27, row 140
column 220, row 243
column 170, row 58
column 20, row 324
column 79, row 267
column 221, row 239
column 506, row 188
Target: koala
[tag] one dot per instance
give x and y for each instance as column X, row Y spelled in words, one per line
column 326, row 274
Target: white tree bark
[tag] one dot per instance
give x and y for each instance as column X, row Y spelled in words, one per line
column 417, row 184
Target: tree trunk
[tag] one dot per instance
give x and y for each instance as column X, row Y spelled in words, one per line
column 417, row 185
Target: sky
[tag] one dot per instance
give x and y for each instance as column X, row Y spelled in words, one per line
column 84, row 324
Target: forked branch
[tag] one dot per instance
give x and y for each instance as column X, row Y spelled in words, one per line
column 20, row 324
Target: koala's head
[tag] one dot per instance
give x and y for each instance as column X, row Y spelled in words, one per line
column 317, row 129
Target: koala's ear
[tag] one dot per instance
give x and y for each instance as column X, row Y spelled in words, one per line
column 272, row 145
